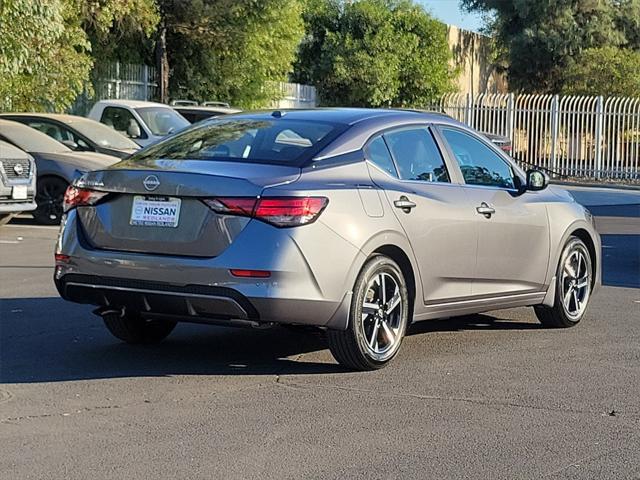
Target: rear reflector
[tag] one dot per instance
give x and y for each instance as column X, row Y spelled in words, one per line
column 79, row 197
column 278, row 211
column 61, row 258
column 250, row 273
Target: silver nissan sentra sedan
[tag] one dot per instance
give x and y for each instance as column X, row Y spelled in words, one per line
column 357, row 221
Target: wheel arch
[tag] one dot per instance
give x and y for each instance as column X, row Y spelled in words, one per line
column 399, row 256
column 586, row 237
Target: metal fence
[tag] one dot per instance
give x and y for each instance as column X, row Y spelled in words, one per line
column 576, row 136
column 139, row 82
column 296, row 95
column 118, row 81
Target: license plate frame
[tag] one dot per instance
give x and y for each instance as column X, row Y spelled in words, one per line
column 155, row 211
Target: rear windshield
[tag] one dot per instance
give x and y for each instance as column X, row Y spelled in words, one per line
column 278, row 141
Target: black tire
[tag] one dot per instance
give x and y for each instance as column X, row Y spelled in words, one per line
column 351, row 347
column 560, row 315
column 49, row 198
column 132, row 328
column 6, row 218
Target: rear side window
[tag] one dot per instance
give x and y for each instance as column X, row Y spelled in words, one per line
column 378, row 153
column 417, row 155
column 277, row 141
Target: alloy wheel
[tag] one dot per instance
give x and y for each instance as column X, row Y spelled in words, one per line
column 382, row 316
column 576, row 282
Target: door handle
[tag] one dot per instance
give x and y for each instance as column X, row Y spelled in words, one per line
column 404, row 204
column 486, row 210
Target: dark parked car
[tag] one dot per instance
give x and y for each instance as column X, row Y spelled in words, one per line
column 57, row 166
column 78, row 133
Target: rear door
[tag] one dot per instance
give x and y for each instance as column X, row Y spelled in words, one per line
column 513, row 227
column 433, row 210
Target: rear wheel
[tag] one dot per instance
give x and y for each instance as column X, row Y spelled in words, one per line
column 573, row 287
column 377, row 320
column 49, row 198
column 132, row 328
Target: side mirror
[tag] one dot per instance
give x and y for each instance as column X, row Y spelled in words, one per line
column 133, row 130
column 71, row 144
column 537, row 180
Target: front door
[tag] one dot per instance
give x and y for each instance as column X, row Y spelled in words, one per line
column 433, row 211
column 513, row 227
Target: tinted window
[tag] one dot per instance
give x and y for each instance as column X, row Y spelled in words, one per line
column 281, row 141
column 417, row 155
column 378, row 153
column 479, row 164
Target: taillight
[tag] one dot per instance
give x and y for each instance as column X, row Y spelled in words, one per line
column 79, row 197
column 278, row 211
column 232, row 205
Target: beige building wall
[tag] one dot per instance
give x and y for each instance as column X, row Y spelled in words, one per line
column 472, row 54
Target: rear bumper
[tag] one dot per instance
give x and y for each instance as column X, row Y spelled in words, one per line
column 197, row 303
column 303, row 287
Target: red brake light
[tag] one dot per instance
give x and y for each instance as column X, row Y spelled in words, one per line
column 78, row 197
column 290, row 211
column 278, row 211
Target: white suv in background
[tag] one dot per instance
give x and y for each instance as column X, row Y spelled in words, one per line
column 17, row 182
column 143, row 122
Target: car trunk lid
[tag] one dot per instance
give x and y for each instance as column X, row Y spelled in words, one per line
column 157, row 207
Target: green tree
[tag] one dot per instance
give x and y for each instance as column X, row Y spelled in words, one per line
column 604, row 71
column 374, row 53
column 44, row 59
column 45, row 47
column 539, row 39
column 231, row 50
column 119, row 29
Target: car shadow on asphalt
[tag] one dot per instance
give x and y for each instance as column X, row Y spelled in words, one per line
column 50, row 340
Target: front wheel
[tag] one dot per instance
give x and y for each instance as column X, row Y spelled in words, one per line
column 377, row 320
column 573, row 287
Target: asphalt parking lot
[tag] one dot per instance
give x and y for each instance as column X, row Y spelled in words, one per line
column 484, row 396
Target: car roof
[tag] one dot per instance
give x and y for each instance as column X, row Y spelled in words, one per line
column 200, row 108
column 131, row 103
column 350, row 116
column 60, row 117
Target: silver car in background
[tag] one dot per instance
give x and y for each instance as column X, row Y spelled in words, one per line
column 353, row 220
column 17, row 182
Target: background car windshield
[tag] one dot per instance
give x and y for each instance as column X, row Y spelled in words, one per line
column 103, row 135
column 29, row 139
column 162, row 121
column 280, row 141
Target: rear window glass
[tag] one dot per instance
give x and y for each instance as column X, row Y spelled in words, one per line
column 277, row 141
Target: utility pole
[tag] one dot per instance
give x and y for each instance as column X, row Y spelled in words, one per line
column 162, row 63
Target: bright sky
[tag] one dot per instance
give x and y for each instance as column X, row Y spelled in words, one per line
column 449, row 11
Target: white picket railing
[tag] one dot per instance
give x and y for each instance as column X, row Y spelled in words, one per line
column 577, row 136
